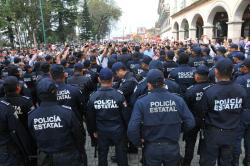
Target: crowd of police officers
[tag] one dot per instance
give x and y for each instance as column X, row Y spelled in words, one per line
column 136, row 101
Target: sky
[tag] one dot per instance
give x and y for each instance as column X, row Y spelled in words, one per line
column 135, row 13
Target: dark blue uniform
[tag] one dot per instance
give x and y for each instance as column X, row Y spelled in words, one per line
column 22, row 106
column 168, row 67
column 108, row 116
column 184, row 76
column 244, row 128
column 142, row 89
column 159, row 116
column 13, row 138
column 71, row 96
column 196, row 61
column 57, row 131
column 193, row 97
column 222, row 104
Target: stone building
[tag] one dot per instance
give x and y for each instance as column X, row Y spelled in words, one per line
column 183, row 19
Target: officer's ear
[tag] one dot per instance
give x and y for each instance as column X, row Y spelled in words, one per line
column 216, row 73
column 150, row 87
column 18, row 89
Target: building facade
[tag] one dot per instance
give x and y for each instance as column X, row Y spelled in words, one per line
column 191, row 19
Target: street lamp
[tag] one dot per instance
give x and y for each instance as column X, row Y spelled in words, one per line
column 42, row 19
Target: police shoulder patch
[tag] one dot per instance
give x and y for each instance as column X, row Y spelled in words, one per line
column 207, row 87
column 190, row 87
column 67, row 107
column 120, row 92
column 143, row 80
column 26, row 97
column 5, row 102
column 143, row 95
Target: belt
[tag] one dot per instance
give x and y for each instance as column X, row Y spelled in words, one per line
column 163, row 142
column 65, row 150
column 210, row 127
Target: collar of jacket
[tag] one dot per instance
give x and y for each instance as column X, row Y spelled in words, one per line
column 48, row 103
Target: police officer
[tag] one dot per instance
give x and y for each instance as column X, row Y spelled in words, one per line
column 14, row 142
column 143, row 70
column 126, row 86
column 128, row 81
column 13, row 70
column 67, row 94
column 142, row 89
column 244, row 128
column 159, row 116
column 135, row 63
column 184, row 74
column 85, row 83
column 21, row 104
column 209, row 61
column 90, row 72
column 44, row 71
column 238, row 59
column 169, row 64
column 107, row 118
column 193, row 97
column 222, row 105
column 195, row 60
column 56, row 130
column 29, row 77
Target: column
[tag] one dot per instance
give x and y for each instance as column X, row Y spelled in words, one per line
column 192, row 33
column 208, row 31
column 234, row 30
column 181, row 35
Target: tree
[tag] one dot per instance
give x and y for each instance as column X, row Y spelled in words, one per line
column 103, row 15
column 85, row 23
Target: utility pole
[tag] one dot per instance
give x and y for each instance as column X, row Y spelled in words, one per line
column 42, row 19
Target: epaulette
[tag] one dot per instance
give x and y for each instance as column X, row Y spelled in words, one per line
column 26, row 97
column 5, row 102
column 120, row 92
column 207, row 87
column 142, row 81
column 67, row 107
column 190, row 87
column 143, row 95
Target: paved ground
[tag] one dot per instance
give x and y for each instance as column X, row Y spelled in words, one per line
column 133, row 159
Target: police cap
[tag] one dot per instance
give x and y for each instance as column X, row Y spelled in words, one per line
column 235, row 46
column 239, row 55
column 13, row 70
column 155, row 76
column 202, row 70
column 10, row 83
column 197, row 50
column 117, row 66
column 246, row 63
column 156, row 64
column 46, row 89
column 206, row 50
column 170, row 54
column 105, row 74
column 56, row 69
column 86, row 63
column 221, row 49
column 78, row 66
column 146, row 60
column 64, row 62
column 224, row 65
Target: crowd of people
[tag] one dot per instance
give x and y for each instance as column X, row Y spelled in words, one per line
column 127, row 95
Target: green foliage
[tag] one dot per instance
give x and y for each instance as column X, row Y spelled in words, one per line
column 20, row 20
column 86, row 27
column 103, row 15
